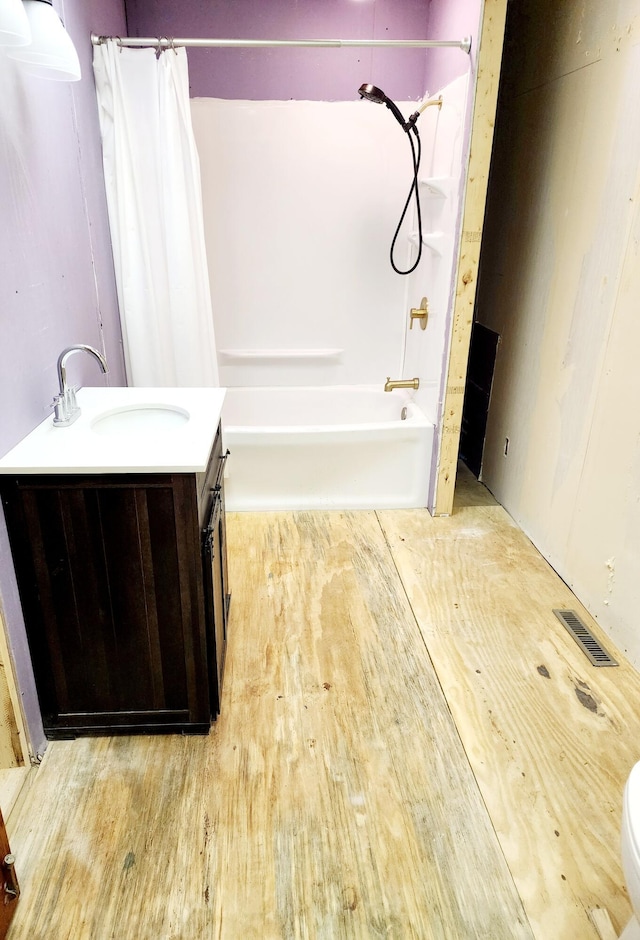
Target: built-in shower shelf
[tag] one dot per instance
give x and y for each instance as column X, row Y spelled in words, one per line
column 438, row 242
column 436, row 187
column 272, row 355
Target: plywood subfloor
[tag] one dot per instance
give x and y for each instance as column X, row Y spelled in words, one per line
column 349, row 789
column 551, row 739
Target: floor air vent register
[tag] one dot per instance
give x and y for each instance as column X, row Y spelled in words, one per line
column 585, row 639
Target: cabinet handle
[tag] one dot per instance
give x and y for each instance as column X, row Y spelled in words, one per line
column 214, row 516
column 207, row 538
column 223, row 460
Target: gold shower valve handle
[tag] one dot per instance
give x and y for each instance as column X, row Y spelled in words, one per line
column 420, row 313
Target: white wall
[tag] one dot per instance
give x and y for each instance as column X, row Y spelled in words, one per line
column 558, row 282
column 301, row 201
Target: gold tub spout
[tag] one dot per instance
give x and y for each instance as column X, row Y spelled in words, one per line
column 390, row 384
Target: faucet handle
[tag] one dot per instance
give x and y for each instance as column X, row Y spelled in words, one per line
column 420, row 313
column 60, row 410
column 65, row 407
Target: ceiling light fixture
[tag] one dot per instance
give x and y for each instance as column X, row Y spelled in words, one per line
column 14, row 24
column 51, row 53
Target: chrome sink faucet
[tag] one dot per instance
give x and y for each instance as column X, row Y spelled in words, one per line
column 66, row 408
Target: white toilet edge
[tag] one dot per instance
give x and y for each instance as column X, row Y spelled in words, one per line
column 631, row 812
column 631, row 931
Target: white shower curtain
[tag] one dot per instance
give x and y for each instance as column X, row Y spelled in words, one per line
column 152, row 176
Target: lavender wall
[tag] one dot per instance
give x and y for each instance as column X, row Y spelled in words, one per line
column 56, row 269
column 452, row 19
column 302, row 74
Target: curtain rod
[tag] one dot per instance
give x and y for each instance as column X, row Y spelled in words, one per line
column 164, row 42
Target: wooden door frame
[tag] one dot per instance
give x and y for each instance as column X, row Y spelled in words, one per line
column 12, row 779
column 484, row 113
column 9, row 888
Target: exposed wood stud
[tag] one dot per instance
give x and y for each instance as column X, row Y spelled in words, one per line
column 489, row 60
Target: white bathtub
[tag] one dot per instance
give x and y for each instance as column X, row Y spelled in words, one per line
column 340, row 447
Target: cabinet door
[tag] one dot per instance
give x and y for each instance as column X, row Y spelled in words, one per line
column 109, row 574
column 216, row 608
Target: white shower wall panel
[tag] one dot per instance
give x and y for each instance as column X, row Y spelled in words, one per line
column 444, row 164
column 301, row 200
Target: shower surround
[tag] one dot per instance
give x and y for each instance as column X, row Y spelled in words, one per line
column 301, row 200
column 303, row 186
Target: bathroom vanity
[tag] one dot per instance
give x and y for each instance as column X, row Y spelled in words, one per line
column 118, row 538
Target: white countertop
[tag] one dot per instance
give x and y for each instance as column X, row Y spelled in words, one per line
column 82, row 448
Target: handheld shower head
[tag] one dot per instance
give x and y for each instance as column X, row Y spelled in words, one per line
column 375, row 94
column 371, row 93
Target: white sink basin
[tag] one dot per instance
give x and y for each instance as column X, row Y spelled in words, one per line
column 125, row 430
column 140, row 419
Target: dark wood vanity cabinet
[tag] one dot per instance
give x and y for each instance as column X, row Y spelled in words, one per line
column 123, row 582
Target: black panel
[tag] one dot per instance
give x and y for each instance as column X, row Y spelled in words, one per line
column 475, row 412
